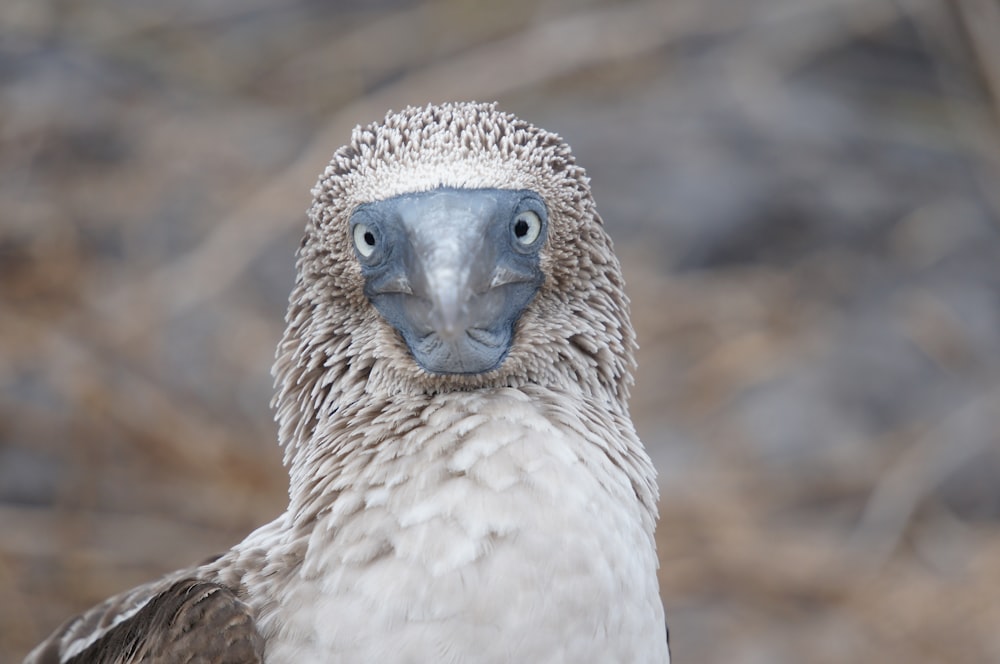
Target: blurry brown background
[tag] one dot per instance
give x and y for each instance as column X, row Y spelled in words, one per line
column 804, row 194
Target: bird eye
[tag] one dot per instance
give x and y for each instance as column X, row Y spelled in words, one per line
column 527, row 227
column 364, row 240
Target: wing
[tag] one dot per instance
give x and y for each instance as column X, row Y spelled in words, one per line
column 185, row 621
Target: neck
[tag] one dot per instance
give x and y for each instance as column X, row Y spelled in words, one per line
column 359, row 447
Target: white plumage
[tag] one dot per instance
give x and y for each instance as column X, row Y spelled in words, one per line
column 503, row 515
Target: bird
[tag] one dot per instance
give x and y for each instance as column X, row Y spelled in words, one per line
column 451, row 395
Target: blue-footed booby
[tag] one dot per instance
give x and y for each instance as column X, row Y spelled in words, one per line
column 466, row 484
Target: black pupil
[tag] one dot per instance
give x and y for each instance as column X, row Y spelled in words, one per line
column 520, row 228
column 369, row 239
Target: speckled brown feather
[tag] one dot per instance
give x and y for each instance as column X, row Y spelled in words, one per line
column 191, row 622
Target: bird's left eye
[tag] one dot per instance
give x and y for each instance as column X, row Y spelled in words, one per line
column 364, row 240
column 527, row 227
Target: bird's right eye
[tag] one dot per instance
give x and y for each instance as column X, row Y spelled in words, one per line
column 364, row 240
column 527, row 227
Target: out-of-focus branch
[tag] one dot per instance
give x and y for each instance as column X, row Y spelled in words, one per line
column 981, row 21
column 977, row 33
column 927, row 463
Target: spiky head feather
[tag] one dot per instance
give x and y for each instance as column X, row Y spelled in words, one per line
column 575, row 335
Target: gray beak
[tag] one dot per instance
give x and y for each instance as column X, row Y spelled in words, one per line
column 452, row 270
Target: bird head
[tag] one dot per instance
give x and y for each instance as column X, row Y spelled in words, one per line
column 451, row 247
column 452, row 270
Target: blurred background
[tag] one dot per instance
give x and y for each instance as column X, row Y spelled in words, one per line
column 804, row 194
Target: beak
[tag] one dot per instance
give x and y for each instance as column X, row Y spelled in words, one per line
column 451, row 262
column 450, row 278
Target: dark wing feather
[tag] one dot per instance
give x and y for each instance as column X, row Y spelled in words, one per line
column 191, row 622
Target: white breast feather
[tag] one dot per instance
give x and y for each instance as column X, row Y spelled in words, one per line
column 489, row 535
